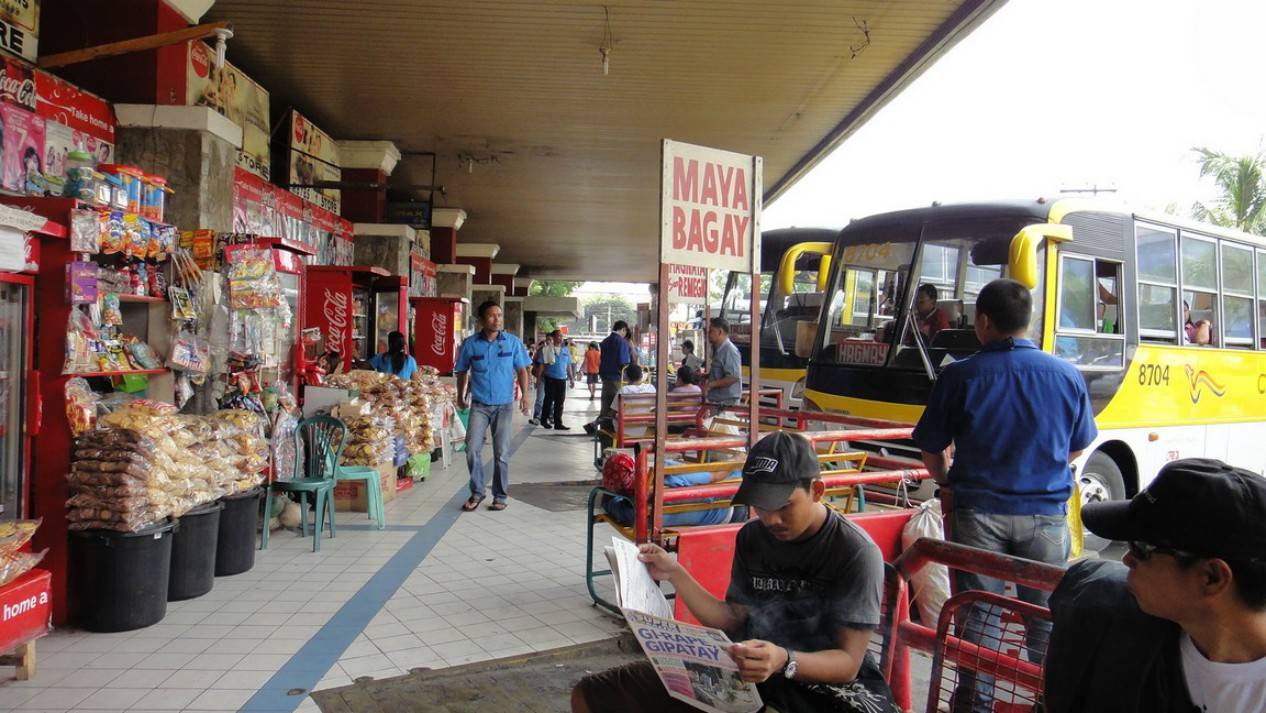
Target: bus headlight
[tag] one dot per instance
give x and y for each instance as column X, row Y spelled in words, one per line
column 797, row 389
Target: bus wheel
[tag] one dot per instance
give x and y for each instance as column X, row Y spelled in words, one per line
column 1100, row 481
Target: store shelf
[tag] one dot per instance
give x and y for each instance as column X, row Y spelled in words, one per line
column 140, row 298
column 87, row 374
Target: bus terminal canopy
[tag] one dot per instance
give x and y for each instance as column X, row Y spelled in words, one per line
column 557, row 161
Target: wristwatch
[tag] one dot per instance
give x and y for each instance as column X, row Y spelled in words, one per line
column 790, row 669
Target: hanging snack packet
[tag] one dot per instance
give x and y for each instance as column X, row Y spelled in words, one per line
column 85, row 231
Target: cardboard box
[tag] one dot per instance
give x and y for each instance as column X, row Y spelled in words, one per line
column 353, row 495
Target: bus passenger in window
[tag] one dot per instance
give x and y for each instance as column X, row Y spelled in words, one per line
column 1200, row 332
column 930, row 318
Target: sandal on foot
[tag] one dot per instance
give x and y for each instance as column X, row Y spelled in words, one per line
column 498, row 506
column 471, row 504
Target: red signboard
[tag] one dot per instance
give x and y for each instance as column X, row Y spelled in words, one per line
column 435, row 332
column 328, row 307
column 67, row 104
column 25, row 608
column 17, row 84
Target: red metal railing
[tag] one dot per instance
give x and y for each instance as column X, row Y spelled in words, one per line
column 1014, row 677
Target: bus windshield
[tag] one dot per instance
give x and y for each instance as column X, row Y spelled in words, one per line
column 893, row 295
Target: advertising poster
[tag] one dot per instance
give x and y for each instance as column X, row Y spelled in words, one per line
column 236, row 96
column 313, row 157
column 23, row 142
column 20, row 28
column 75, row 121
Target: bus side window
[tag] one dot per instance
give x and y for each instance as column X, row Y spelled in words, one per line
column 1261, row 298
column 1157, row 255
column 1089, row 332
column 1237, row 295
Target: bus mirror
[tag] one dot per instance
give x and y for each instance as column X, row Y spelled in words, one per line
column 787, row 267
column 1022, row 258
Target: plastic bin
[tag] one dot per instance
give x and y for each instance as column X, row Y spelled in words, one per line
column 193, row 552
column 118, row 580
column 235, row 550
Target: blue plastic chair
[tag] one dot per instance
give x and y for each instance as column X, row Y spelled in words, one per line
column 318, row 446
column 373, row 489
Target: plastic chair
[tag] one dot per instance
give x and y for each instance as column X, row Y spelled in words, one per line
column 319, row 443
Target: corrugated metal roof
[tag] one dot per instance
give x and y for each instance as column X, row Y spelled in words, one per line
column 566, row 176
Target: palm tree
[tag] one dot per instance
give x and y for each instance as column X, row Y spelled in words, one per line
column 1242, row 181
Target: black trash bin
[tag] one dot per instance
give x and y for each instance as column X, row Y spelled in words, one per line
column 118, row 580
column 239, row 522
column 193, row 552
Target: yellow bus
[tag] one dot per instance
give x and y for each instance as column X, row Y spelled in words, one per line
column 791, row 289
column 1165, row 318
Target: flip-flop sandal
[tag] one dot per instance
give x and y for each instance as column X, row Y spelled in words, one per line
column 498, row 506
column 471, row 504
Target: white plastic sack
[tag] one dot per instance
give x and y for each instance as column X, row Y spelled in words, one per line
column 930, row 585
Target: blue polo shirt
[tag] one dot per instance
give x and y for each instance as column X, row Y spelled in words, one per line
column 1014, row 413
column 557, row 370
column 492, row 366
column 382, row 364
column 615, row 354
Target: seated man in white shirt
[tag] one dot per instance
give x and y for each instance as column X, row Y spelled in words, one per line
column 1181, row 628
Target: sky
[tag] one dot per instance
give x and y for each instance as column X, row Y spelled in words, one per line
column 1054, row 94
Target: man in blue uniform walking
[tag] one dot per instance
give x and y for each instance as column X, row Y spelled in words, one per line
column 490, row 361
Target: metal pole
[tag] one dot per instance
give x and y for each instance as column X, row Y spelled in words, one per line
column 753, row 247
column 661, row 382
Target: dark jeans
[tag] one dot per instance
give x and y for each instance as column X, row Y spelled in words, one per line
column 1037, row 537
column 555, row 394
column 610, row 389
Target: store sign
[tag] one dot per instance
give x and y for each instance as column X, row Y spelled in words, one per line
column 709, row 207
column 687, row 284
column 261, row 208
column 313, row 157
column 17, row 84
column 236, row 96
column 20, row 28
column 337, row 309
column 26, row 609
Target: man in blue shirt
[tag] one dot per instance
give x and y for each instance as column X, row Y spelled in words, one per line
column 724, row 386
column 555, row 374
column 1016, row 418
column 615, row 356
column 490, row 361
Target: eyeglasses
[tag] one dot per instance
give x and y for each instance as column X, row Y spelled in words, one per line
column 1143, row 551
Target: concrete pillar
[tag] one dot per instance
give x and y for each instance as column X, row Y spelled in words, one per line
column 513, row 308
column 503, row 274
column 480, row 255
column 445, row 222
column 195, row 148
column 369, row 162
column 384, row 245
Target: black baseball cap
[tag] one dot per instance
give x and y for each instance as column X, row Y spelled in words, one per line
column 775, row 466
column 1197, row 505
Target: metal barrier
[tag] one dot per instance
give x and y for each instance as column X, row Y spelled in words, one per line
column 994, row 663
column 651, row 500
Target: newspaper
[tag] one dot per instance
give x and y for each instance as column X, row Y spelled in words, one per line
column 692, row 661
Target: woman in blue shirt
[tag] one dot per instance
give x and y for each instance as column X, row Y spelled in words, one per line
column 394, row 361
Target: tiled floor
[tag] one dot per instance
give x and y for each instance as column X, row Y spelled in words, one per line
column 492, row 585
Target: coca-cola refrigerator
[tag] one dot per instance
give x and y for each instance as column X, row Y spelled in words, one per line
column 437, row 330
column 355, row 308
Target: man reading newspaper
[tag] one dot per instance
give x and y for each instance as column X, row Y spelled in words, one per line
column 803, row 600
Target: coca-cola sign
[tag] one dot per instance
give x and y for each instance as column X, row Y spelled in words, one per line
column 17, row 85
column 439, row 338
column 335, row 308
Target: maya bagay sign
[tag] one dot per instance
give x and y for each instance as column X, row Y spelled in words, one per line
column 710, row 207
column 20, row 27
column 233, row 94
column 687, row 284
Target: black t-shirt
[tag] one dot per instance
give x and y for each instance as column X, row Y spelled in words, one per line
column 799, row 594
